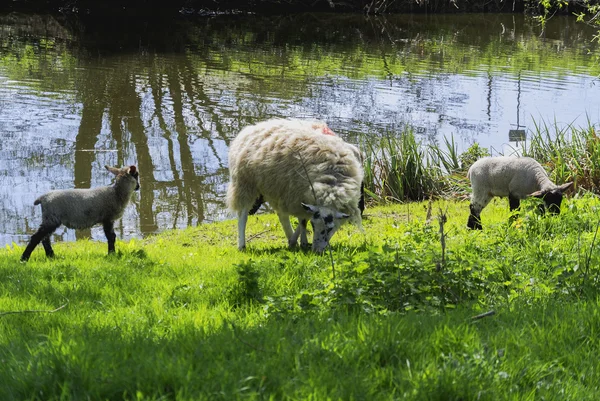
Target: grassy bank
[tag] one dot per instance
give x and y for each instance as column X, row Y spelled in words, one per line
column 184, row 315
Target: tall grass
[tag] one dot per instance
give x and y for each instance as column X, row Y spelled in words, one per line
column 400, row 167
column 570, row 153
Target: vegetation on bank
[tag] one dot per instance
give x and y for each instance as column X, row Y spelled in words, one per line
column 386, row 314
column 418, row 307
column 400, row 167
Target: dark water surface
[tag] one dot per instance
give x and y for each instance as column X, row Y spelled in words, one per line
column 169, row 96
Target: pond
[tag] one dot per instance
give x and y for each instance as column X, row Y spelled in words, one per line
column 168, row 96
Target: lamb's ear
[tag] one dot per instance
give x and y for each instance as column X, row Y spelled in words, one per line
column 132, row 170
column 113, row 170
column 564, row 187
column 537, row 194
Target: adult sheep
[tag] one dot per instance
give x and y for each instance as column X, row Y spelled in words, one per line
column 314, row 177
column 512, row 177
column 318, row 128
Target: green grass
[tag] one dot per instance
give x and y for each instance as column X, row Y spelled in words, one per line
column 184, row 315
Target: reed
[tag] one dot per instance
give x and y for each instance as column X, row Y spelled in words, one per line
column 569, row 153
column 399, row 167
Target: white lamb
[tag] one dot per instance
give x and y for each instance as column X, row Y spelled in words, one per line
column 512, row 177
column 316, row 177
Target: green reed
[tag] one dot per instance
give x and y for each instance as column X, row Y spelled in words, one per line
column 399, row 167
column 570, row 153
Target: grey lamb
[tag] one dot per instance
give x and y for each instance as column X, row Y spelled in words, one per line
column 512, row 177
column 84, row 208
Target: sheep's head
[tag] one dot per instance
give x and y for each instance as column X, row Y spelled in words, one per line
column 325, row 222
column 553, row 198
column 130, row 174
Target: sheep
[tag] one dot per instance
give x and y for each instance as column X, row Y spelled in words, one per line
column 316, row 177
column 84, row 208
column 318, row 127
column 512, row 177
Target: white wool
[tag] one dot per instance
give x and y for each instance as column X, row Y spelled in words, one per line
column 503, row 175
column 285, row 162
column 512, row 177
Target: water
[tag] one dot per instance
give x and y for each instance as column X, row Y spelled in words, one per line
column 76, row 94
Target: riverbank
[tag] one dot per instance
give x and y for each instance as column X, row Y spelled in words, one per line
column 388, row 314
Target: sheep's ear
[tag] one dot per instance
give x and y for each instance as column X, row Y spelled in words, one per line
column 537, row 194
column 564, row 187
column 132, row 170
column 309, row 208
column 113, row 170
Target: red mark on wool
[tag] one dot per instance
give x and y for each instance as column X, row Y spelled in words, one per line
column 327, row 131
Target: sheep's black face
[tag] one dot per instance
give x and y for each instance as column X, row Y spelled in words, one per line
column 553, row 199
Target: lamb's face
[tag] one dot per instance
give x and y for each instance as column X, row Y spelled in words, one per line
column 553, row 199
column 325, row 222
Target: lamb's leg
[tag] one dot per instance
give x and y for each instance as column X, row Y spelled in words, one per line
column 291, row 236
column 109, row 231
column 476, row 206
column 48, row 246
column 242, row 221
column 40, row 235
column 513, row 203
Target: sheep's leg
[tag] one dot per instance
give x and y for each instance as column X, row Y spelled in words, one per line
column 40, row 235
column 109, row 231
column 476, row 206
column 303, row 238
column 242, row 221
column 513, row 203
column 300, row 232
column 48, row 246
column 257, row 204
column 290, row 234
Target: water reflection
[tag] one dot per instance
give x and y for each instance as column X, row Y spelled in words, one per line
column 168, row 96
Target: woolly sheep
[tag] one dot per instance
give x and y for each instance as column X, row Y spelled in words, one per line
column 512, row 177
column 320, row 128
column 84, row 208
column 316, row 177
